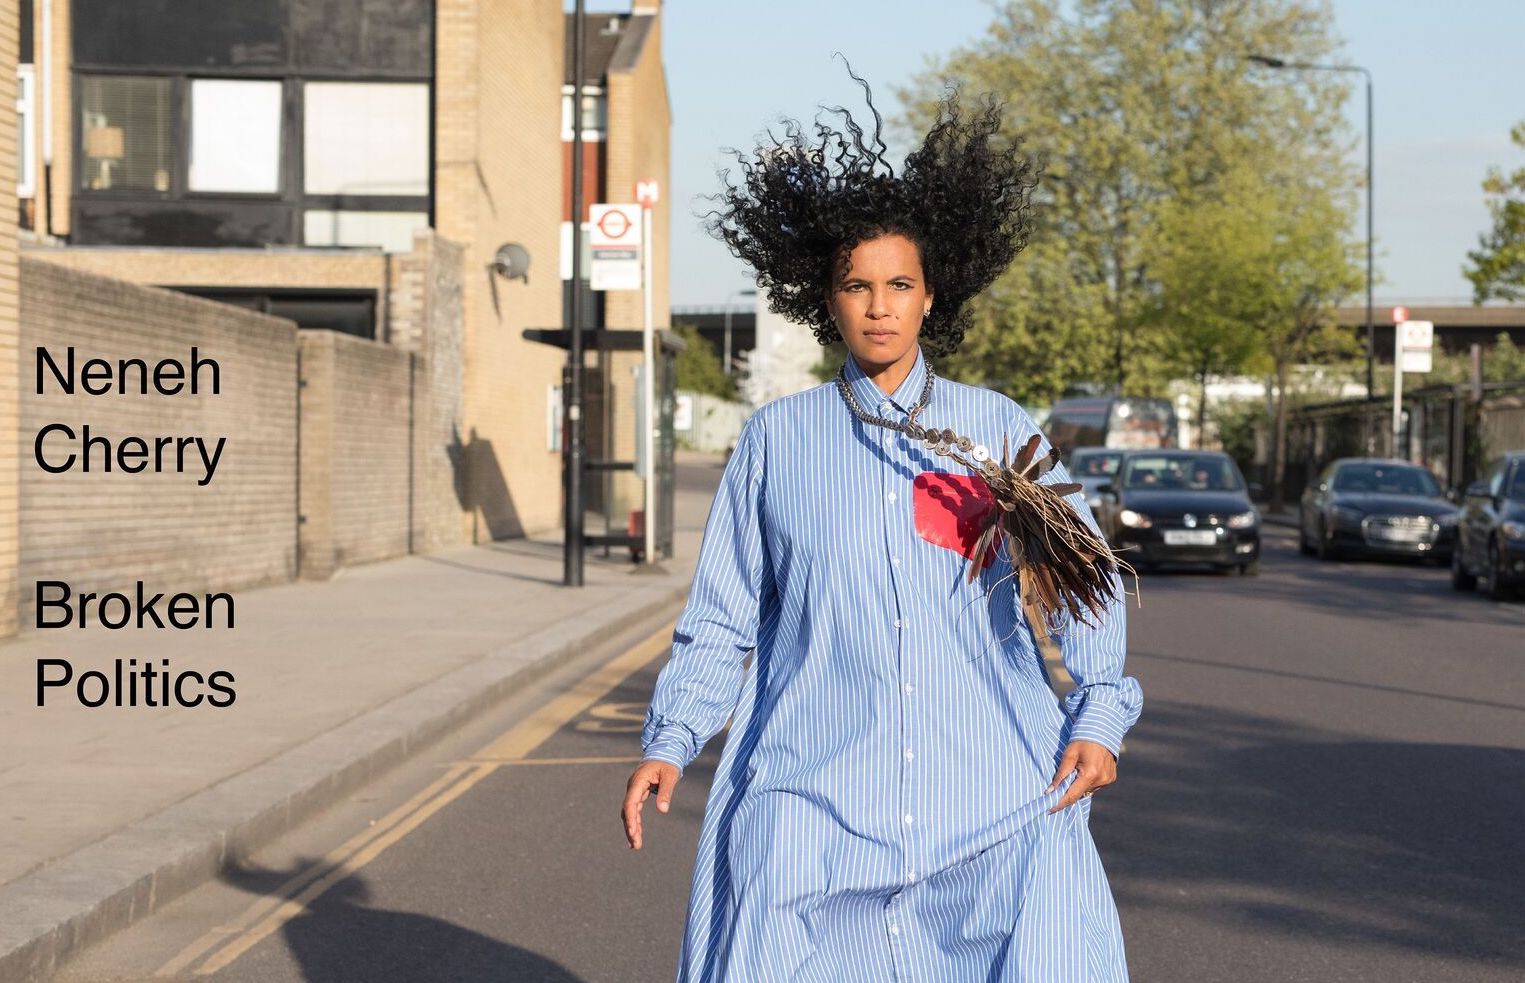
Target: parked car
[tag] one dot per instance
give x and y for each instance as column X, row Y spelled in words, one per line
column 1093, row 467
column 1490, row 544
column 1181, row 507
column 1376, row 507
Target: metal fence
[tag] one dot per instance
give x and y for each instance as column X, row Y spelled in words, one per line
column 1451, row 430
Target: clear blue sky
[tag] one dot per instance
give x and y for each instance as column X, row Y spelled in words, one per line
column 1449, row 83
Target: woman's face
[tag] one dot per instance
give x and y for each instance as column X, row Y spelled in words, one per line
column 878, row 301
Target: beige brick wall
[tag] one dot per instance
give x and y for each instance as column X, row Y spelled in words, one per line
column 639, row 136
column 439, row 395
column 102, row 531
column 63, row 119
column 357, row 409
column 9, row 322
column 498, row 119
column 274, row 268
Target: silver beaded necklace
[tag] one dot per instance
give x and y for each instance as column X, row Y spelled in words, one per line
column 939, row 441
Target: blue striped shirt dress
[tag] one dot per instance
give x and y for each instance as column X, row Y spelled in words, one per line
column 879, row 811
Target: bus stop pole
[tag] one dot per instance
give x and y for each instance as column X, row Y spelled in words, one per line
column 648, row 391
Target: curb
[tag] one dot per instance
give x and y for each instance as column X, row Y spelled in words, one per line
column 80, row 899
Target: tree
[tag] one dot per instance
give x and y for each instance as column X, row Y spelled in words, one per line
column 1498, row 265
column 1504, row 362
column 1212, row 272
column 1135, row 105
column 699, row 368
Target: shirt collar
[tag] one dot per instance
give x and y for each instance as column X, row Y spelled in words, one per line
column 872, row 398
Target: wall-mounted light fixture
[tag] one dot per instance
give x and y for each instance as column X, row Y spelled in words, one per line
column 512, row 262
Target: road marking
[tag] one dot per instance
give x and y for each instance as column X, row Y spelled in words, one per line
column 614, row 718
column 230, row 941
column 629, row 759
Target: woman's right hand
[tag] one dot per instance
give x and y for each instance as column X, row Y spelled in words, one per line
column 649, row 776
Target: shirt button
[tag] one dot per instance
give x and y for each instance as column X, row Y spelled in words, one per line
column 886, row 406
column 910, row 875
column 909, row 819
column 899, row 623
column 890, row 496
column 909, row 754
column 894, row 929
column 895, row 561
column 909, row 689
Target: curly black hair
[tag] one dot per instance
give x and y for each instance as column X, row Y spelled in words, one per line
column 802, row 205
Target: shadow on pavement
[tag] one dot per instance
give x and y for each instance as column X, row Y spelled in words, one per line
column 1239, row 821
column 338, row 939
column 1379, row 589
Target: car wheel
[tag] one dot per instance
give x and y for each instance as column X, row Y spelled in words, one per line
column 1492, row 567
column 1251, row 569
column 1326, row 549
column 1460, row 578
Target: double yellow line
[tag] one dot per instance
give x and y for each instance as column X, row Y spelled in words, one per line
column 219, row 947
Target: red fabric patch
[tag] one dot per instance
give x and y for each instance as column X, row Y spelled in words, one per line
column 951, row 510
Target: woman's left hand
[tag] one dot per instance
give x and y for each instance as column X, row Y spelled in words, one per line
column 1094, row 768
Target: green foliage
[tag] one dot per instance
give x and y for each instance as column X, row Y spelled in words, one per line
column 1167, row 153
column 1498, row 265
column 1503, row 362
column 699, row 368
column 1238, row 423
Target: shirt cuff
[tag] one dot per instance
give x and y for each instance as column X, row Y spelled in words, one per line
column 671, row 744
column 1102, row 723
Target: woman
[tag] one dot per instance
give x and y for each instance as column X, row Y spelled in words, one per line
column 900, row 795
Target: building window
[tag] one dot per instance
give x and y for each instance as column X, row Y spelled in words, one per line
column 235, row 140
column 595, row 109
column 126, row 133
column 365, row 138
column 26, row 142
column 391, row 231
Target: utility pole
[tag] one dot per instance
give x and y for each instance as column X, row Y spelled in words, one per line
column 1371, row 330
column 572, row 444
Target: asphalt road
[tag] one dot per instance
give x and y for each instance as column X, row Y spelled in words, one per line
column 1328, row 784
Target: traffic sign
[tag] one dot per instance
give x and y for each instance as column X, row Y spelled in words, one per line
column 1400, row 314
column 614, row 241
column 1415, row 342
column 647, row 192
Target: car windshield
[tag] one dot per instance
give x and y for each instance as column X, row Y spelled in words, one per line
column 1182, row 473
column 1094, row 464
column 1386, row 479
column 1516, row 491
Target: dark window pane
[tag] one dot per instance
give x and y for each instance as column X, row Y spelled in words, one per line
column 186, row 33
column 125, row 127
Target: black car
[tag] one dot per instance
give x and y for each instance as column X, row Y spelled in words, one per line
column 1093, row 467
column 1376, row 507
column 1181, row 507
column 1490, row 544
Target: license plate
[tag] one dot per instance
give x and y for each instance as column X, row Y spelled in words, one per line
column 1190, row 537
column 1391, row 534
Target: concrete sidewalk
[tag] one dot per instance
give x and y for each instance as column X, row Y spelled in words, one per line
column 110, row 813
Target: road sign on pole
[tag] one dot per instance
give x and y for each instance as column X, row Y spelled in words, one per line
column 1412, row 341
column 648, row 192
column 614, row 240
column 1400, row 314
column 1415, row 344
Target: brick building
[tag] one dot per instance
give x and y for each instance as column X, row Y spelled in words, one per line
column 302, row 157
column 10, row 301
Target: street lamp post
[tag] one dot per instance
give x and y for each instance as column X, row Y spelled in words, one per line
column 733, row 296
column 1371, row 335
column 571, row 398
